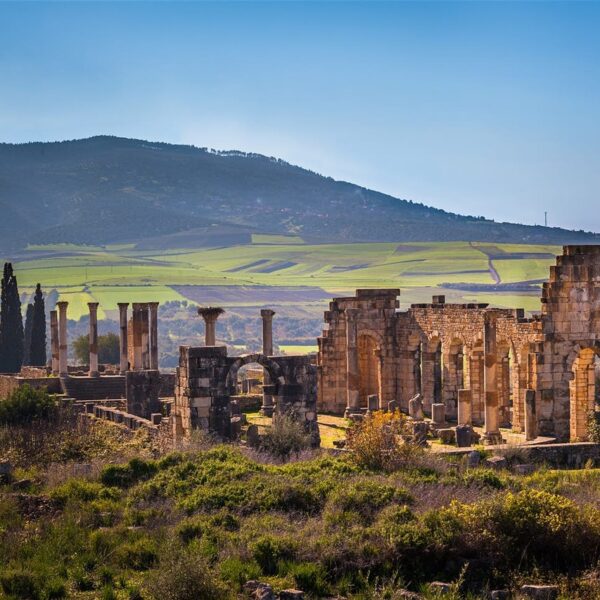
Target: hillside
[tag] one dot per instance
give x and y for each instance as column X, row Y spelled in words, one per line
column 106, row 190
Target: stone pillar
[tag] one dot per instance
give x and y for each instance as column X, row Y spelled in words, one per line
column 54, row 341
column 145, row 337
column 267, row 328
column 491, row 424
column 438, row 413
column 123, row 351
column 62, row 338
column 210, row 314
column 428, row 377
column 93, row 339
column 464, row 407
column 137, row 325
column 530, row 420
column 352, row 368
column 153, row 310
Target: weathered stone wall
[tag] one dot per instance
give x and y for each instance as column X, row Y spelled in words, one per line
column 9, row 383
column 206, row 382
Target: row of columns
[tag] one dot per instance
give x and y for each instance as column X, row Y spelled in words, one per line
column 144, row 330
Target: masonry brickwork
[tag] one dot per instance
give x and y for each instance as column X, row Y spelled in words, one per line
column 369, row 346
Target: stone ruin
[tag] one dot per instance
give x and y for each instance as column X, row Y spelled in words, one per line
column 470, row 363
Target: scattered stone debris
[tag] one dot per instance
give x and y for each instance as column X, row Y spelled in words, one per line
column 496, row 462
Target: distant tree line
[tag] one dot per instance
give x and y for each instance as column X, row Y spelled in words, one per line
column 20, row 345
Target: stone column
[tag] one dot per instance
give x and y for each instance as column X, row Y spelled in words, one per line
column 491, row 426
column 62, row 338
column 267, row 327
column 530, row 421
column 464, row 407
column 93, row 339
column 145, row 337
column 54, row 347
column 210, row 314
column 123, row 352
column 136, row 324
column 352, row 368
column 153, row 309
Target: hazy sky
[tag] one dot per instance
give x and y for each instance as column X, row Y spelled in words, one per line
column 480, row 108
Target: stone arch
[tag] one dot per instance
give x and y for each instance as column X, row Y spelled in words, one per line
column 271, row 366
column 582, row 389
column 369, row 364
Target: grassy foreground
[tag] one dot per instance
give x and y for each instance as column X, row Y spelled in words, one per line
column 199, row 524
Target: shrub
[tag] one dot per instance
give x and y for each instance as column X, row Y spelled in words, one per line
column 20, row 584
column 184, row 575
column 310, row 578
column 139, row 555
column 236, row 572
column 376, row 442
column 286, row 436
column 268, row 551
column 27, row 404
column 124, row 476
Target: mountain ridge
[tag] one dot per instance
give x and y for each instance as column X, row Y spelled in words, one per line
column 109, row 189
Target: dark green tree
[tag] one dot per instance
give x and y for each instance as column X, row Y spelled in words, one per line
column 11, row 324
column 108, row 349
column 28, row 326
column 37, row 353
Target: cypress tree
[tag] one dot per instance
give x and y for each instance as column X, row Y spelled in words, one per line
column 37, row 354
column 28, row 327
column 11, row 324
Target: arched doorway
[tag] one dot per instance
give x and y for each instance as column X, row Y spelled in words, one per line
column 583, row 392
column 368, row 368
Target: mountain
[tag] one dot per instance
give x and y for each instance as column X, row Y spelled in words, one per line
column 108, row 189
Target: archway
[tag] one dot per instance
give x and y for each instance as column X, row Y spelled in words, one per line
column 583, row 392
column 369, row 368
column 269, row 365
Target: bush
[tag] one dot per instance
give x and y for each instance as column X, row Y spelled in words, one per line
column 268, row 551
column 376, row 442
column 27, row 404
column 285, row 437
column 20, row 584
column 184, row 575
column 124, row 476
column 236, row 572
column 310, row 578
column 139, row 555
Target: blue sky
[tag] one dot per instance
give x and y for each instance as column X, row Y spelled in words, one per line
column 485, row 108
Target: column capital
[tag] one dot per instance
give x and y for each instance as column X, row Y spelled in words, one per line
column 267, row 313
column 122, row 304
column 62, row 305
column 153, row 305
column 93, row 305
column 210, row 313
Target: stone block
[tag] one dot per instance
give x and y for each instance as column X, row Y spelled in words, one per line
column 524, row 469
column 447, row 436
column 496, row 462
column 155, row 418
column 252, row 436
column 463, row 436
column 540, row 592
column 415, row 408
column 473, row 459
column 373, row 402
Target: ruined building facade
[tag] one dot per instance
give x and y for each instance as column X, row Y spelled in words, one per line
column 535, row 374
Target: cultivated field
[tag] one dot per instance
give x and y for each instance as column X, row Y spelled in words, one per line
column 285, row 272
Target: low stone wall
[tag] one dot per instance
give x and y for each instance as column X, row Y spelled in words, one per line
column 130, row 421
column 9, row 383
column 570, row 456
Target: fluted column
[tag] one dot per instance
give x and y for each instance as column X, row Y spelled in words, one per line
column 93, row 339
column 267, row 328
column 62, row 338
column 210, row 314
column 123, row 351
column 54, row 347
column 153, row 311
column 352, row 367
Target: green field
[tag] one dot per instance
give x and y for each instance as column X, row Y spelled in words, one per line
column 272, row 264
